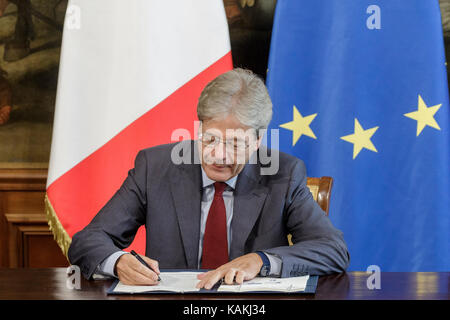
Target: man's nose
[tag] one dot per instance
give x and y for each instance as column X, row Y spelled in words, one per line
column 220, row 153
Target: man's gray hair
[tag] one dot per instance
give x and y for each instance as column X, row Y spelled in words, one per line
column 239, row 92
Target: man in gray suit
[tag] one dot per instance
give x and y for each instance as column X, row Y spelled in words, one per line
column 214, row 204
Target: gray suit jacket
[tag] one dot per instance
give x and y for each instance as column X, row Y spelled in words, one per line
column 166, row 198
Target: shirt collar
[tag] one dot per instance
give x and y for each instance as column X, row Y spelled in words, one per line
column 207, row 181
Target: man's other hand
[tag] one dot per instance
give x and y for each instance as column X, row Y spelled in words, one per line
column 243, row 268
column 131, row 272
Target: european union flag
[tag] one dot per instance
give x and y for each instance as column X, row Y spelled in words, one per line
column 360, row 94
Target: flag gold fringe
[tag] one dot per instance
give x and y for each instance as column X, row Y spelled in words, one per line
column 59, row 234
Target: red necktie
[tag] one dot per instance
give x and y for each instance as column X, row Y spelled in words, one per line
column 215, row 243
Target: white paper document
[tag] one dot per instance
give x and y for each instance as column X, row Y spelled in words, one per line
column 170, row 281
column 293, row 284
column 186, row 281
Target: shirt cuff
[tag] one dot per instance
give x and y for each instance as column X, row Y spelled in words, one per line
column 107, row 266
column 275, row 265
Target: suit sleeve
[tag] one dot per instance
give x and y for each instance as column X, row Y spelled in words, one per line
column 319, row 248
column 115, row 225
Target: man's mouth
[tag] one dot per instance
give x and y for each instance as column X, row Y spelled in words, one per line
column 220, row 166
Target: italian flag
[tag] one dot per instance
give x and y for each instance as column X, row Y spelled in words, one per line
column 131, row 72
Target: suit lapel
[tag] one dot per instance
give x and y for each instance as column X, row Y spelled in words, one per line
column 186, row 184
column 249, row 198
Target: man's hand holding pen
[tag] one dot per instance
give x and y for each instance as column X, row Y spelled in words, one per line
column 131, row 271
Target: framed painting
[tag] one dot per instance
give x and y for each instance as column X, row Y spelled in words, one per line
column 30, row 41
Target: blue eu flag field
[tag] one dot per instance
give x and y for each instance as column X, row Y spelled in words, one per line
column 360, row 94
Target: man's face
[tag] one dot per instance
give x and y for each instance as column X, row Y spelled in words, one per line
column 225, row 145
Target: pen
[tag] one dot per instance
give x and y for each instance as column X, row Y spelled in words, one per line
column 142, row 261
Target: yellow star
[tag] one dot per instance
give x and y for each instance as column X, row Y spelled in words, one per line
column 361, row 139
column 299, row 126
column 424, row 116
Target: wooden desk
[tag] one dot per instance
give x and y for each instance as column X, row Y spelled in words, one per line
column 50, row 284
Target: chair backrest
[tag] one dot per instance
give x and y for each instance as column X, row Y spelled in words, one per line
column 321, row 192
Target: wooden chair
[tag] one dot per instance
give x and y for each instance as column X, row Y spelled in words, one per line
column 321, row 192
